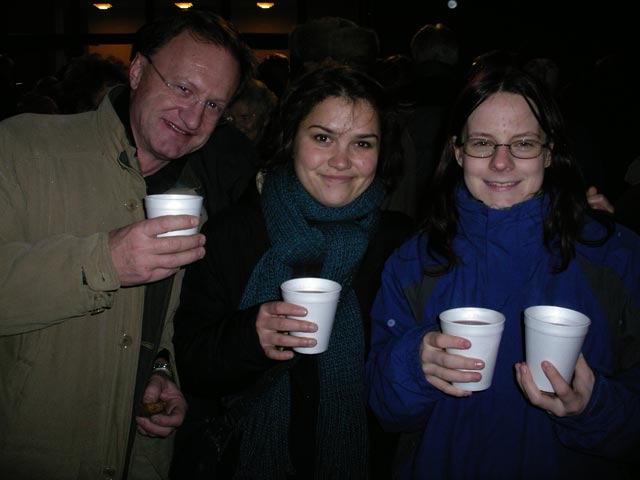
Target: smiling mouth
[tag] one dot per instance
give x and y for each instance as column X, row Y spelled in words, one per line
column 337, row 179
column 501, row 184
column 176, row 129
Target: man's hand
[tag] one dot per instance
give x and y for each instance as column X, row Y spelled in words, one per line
column 139, row 256
column 162, row 424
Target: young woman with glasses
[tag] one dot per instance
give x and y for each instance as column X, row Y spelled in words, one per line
column 509, row 226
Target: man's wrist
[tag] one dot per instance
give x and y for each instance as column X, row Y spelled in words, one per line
column 162, row 367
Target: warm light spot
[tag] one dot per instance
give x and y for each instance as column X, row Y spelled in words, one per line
column 102, row 6
column 265, row 4
column 183, row 5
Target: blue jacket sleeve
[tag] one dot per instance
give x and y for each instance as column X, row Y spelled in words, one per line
column 398, row 391
column 610, row 424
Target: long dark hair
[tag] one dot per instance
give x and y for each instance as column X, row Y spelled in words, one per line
column 563, row 182
column 325, row 80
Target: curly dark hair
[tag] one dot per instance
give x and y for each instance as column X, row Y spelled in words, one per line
column 325, row 80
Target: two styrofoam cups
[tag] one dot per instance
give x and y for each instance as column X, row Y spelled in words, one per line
column 555, row 334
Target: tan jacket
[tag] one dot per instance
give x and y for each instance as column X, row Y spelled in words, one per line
column 69, row 348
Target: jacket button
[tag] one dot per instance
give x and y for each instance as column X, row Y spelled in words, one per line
column 126, row 341
column 108, row 473
column 131, row 205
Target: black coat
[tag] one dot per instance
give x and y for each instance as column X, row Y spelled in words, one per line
column 218, row 354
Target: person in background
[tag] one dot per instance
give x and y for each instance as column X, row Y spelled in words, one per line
column 86, row 79
column 628, row 204
column 336, row 38
column 435, row 50
column 273, row 71
column 250, row 111
column 427, row 90
column 88, row 290
column 547, row 71
column 509, row 226
column 257, row 408
column 42, row 98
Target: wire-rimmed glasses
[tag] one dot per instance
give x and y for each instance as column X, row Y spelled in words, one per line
column 185, row 96
column 484, row 148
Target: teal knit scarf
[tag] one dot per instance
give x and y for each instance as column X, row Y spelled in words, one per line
column 303, row 231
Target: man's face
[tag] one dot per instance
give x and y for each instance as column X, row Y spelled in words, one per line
column 170, row 121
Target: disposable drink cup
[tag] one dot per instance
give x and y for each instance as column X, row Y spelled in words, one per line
column 320, row 297
column 483, row 328
column 173, row 204
column 554, row 334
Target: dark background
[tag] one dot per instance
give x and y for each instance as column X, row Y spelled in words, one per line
column 42, row 35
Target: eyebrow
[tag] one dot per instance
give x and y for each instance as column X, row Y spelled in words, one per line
column 193, row 87
column 518, row 135
column 361, row 135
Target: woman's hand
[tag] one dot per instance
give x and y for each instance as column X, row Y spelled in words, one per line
column 441, row 368
column 273, row 329
column 568, row 399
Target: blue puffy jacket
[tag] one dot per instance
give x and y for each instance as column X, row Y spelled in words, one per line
column 496, row 433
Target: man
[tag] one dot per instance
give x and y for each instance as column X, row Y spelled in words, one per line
column 87, row 290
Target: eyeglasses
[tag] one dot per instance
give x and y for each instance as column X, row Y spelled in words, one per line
column 242, row 117
column 185, row 97
column 483, row 148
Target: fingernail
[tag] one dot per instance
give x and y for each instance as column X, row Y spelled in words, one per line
column 479, row 365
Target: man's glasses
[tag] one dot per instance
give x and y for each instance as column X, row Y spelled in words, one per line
column 483, row 148
column 185, row 97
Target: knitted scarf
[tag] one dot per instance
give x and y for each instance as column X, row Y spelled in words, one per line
column 302, row 231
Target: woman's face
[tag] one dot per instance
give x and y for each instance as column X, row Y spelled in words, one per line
column 502, row 180
column 336, row 150
column 245, row 118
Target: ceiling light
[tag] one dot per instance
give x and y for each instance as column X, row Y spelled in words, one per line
column 265, row 4
column 183, row 5
column 102, row 6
